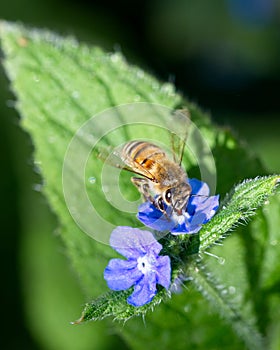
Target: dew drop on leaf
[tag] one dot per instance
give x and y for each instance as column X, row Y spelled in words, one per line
column 92, row 180
column 36, row 79
column 75, row 94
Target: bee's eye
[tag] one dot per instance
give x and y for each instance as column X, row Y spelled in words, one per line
column 160, row 204
column 168, row 196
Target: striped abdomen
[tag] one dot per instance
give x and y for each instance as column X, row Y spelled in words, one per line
column 141, row 153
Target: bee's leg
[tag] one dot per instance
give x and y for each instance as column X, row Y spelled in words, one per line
column 143, row 187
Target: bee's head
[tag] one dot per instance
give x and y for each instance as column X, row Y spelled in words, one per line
column 176, row 197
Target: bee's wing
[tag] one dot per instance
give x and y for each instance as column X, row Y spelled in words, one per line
column 179, row 133
column 112, row 156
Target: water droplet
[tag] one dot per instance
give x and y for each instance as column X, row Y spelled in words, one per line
column 221, row 261
column 75, row 94
column 92, row 180
column 36, row 78
column 232, row 290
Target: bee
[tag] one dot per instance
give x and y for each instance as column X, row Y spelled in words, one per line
column 163, row 181
column 160, row 175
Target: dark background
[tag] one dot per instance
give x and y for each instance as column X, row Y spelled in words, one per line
column 222, row 54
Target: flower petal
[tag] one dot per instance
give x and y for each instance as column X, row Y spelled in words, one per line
column 163, row 269
column 207, row 206
column 186, row 229
column 144, row 290
column 199, row 187
column 121, row 274
column 200, row 191
column 132, row 242
column 150, row 216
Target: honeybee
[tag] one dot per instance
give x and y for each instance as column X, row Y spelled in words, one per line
column 163, row 181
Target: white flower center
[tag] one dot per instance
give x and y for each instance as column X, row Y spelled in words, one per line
column 180, row 219
column 144, row 264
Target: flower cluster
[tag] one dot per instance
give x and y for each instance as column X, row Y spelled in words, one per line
column 144, row 268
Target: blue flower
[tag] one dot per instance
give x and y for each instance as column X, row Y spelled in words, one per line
column 200, row 209
column 144, row 268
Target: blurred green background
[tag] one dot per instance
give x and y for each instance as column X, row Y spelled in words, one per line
column 222, row 54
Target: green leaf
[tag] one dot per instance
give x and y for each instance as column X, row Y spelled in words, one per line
column 60, row 85
column 115, row 304
column 239, row 206
column 221, row 299
column 262, row 246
